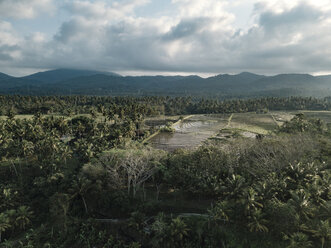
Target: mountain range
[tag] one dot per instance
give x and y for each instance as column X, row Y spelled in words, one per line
column 245, row 84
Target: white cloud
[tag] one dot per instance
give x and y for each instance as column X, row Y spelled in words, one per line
column 198, row 36
column 279, row 6
column 7, row 36
column 106, row 10
column 24, row 9
column 198, row 8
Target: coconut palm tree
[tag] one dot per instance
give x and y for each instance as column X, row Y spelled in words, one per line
column 234, row 186
column 323, row 232
column 250, row 200
column 325, row 209
column 80, row 187
column 298, row 239
column 11, row 114
column 257, row 223
column 300, row 202
column 178, row 230
column 4, row 224
column 220, row 211
column 159, row 231
column 66, row 153
column 24, row 215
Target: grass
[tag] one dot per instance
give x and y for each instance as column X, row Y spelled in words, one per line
column 282, row 116
column 252, row 122
column 21, row 117
column 323, row 115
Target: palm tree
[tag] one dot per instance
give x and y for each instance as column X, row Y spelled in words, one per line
column 93, row 113
column 24, row 215
column 80, row 187
column 27, row 148
column 11, row 215
column 234, row 186
column 257, row 222
column 66, row 153
column 11, row 114
column 4, row 223
column 298, row 239
column 325, row 209
column 300, row 202
column 323, row 232
column 250, row 201
column 159, row 229
column 37, row 117
column 220, row 211
column 178, row 231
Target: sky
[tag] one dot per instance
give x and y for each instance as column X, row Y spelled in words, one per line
column 168, row 37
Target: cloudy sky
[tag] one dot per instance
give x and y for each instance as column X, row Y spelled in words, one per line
column 135, row 37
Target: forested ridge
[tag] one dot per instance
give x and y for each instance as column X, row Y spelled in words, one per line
column 244, row 85
column 77, row 173
column 156, row 105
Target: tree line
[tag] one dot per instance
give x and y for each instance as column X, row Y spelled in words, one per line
column 151, row 105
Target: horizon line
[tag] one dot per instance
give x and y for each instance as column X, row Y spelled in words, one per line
column 136, row 73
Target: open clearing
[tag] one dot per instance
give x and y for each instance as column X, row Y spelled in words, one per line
column 194, row 131
column 252, row 122
column 191, row 132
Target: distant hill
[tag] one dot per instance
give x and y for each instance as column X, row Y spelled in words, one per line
column 245, row 84
column 63, row 74
column 285, row 80
column 4, row 76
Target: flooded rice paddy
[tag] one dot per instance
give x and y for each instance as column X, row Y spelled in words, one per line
column 191, row 132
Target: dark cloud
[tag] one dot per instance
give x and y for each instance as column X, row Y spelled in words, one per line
column 67, row 30
column 186, row 28
column 292, row 40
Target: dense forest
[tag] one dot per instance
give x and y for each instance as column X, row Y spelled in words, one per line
column 75, row 172
column 151, row 106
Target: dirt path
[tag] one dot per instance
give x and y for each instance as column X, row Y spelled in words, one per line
column 172, row 125
column 180, row 120
column 229, row 121
column 273, row 117
column 226, row 126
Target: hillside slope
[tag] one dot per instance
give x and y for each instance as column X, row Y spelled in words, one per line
column 67, row 81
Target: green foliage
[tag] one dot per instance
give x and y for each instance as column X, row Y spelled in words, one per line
column 300, row 123
column 167, row 128
column 87, row 182
column 299, row 239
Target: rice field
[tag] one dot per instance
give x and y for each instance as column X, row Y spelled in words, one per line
column 194, row 131
column 190, row 133
column 254, row 123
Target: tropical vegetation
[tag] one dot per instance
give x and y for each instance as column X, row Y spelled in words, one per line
column 78, row 173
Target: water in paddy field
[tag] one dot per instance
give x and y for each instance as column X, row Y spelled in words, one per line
column 190, row 133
